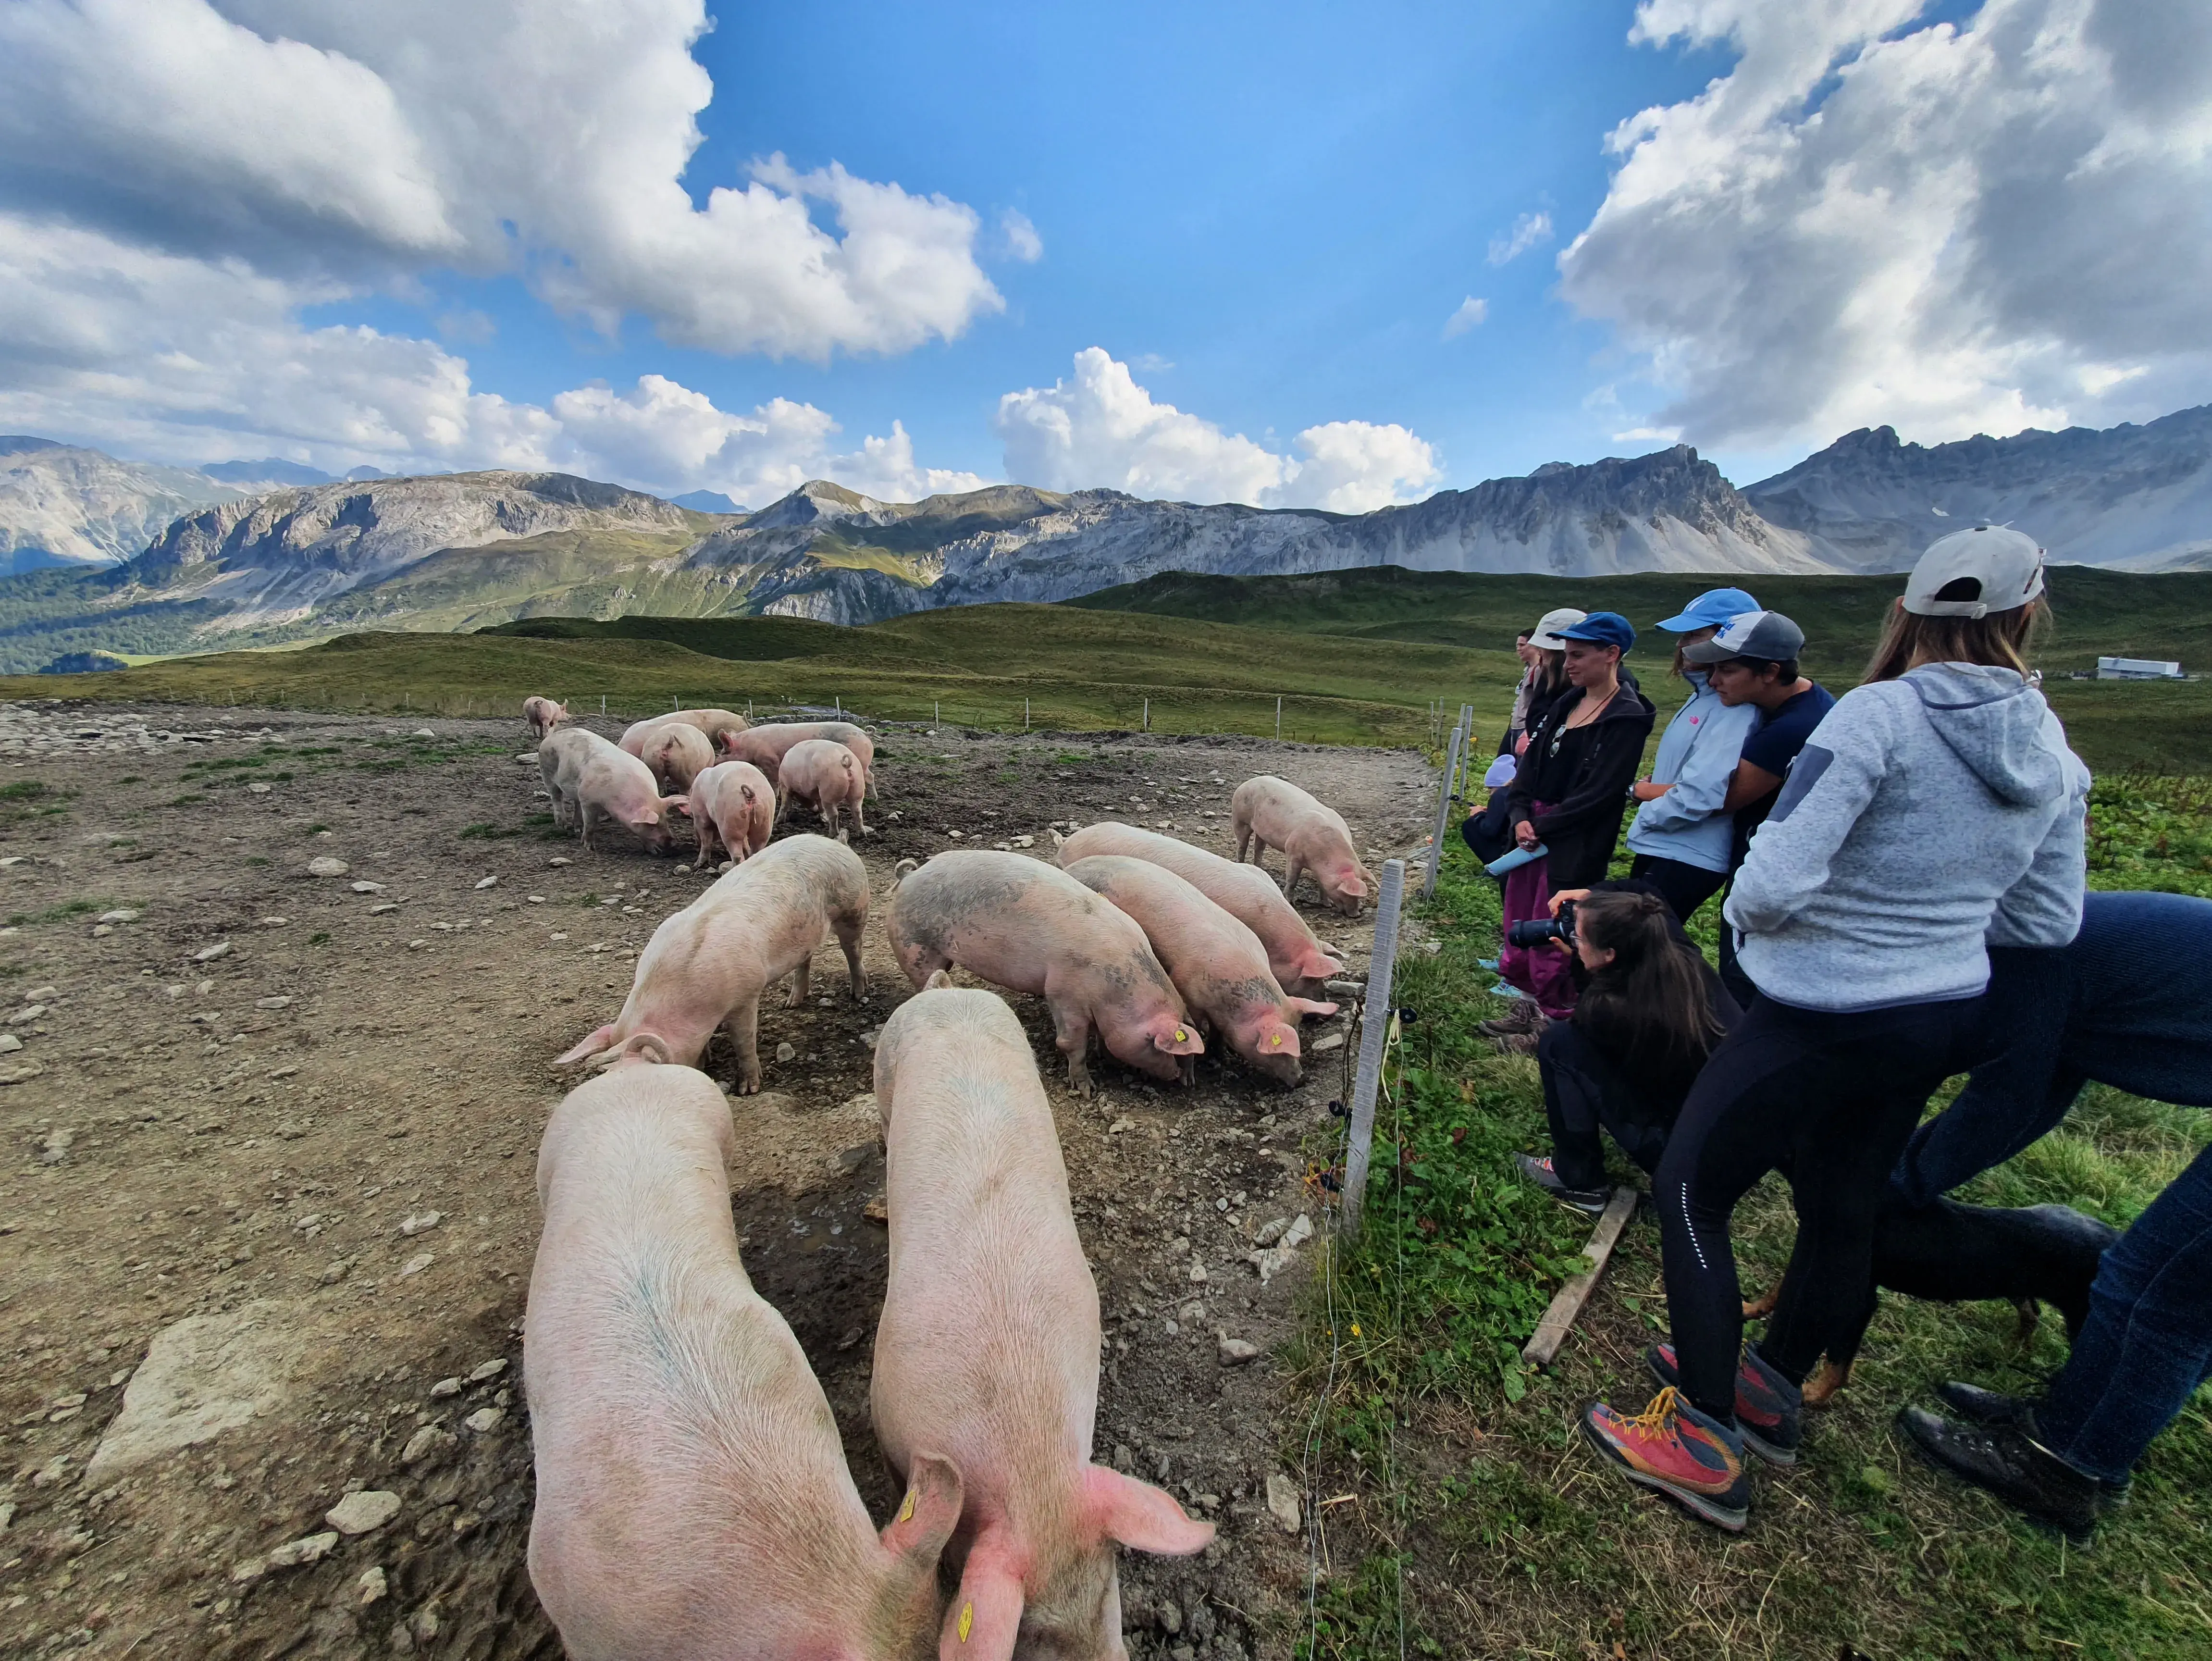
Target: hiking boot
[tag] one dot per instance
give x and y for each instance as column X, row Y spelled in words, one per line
column 1516, row 1043
column 2007, row 1461
column 1982, row 1407
column 1523, row 1017
column 1676, row 1451
column 1590, row 1201
column 1770, row 1410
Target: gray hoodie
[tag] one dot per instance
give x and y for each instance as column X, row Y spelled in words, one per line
column 1925, row 817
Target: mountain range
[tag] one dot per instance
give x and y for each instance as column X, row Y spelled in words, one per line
column 150, row 560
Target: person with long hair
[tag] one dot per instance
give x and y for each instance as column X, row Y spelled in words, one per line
column 1936, row 807
column 1565, row 806
column 1543, row 676
column 1649, row 1014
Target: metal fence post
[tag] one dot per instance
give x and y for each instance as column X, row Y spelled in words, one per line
column 1375, row 1012
column 1443, row 813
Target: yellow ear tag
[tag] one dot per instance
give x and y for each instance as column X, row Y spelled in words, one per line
column 906, row 1511
column 1181, row 1036
column 1277, row 1039
column 967, row 1621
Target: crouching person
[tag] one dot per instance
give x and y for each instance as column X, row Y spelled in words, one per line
column 1651, row 1010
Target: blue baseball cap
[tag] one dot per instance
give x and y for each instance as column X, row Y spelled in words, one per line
column 1710, row 610
column 1603, row 629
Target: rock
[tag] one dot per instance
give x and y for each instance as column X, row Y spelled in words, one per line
column 417, row 1263
column 785, row 1052
column 39, row 994
column 378, row 910
column 421, row 732
column 363, row 1513
column 429, row 1443
column 446, row 1387
column 257, row 788
column 27, row 1071
column 312, row 1549
column 369, row 887
column 337, row 1271
column 1327, row 1042
column 491, row 1369
column 102, row 931
column 1346, row 989
column 1283, row 1502
column 1271, row 1231
column 484, row 1421
column 29, row 1012
column 1235, row 1352
column 9, row 1044
column 324, row 866
column 272, row 1003
column 560, row 859
column 275, row 923
column 121, row 914
column 1274, row 1259
column 210, row 954
column 420, row 1221
column 371, row 1587
column 245, row 1573
column 203, row 1376
column 487, row 882
column 56, row 1147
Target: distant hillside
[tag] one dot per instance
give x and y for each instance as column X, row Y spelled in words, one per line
column 60, row 505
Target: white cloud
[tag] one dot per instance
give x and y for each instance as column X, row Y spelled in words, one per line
column 1021, row 237
column 363, row 145
column 1470, row 315
column 1528, row 230
column 1100, row 428
column 1951, row 228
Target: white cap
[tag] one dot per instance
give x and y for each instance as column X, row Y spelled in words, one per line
column 2005, row 565
column 1546, row 638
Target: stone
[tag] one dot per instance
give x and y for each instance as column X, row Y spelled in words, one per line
column 420, row 1221
column 378, row 910
column 56, row 1147
column 785, row 1052
column 1327, row 1042
column 210, row 954
column 1271, row 1231
column 312, row 1549
column 371, row 1587
column 1235, row 1352
column 366, row 887
column 272, row 1003
column 121, row 914
column 1283, row 1504
column 203, row 1376
column 257, row 788
column 427, row 1443
column 9, row 1044
column 487, row 882
column 363, row 1512
column 323, row 864
column 446, row 1387
column 421, row 732
column 417, row 1263
column 1274, row 1260
column 491, row 1369
column 560, row 859
column 29, row 1012
column 275, row 923
column 484, row 1421
column 100, row 932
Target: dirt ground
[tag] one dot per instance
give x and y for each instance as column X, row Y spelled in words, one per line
column 299, row 1115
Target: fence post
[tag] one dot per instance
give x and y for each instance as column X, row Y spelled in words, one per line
column 1443, row 813
column 1025, row 714
column 936, row 713
column 603, row 705
column 1375, row 1015
column 1148, row 715
column 1278, row 716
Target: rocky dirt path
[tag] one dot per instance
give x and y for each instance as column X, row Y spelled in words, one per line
column 271, row 1146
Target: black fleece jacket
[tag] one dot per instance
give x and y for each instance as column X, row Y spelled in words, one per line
column 1584, row 781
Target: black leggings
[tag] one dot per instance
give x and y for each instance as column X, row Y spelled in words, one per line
column 1832, row 1098
column 1683, row 887
column 1584, row 1090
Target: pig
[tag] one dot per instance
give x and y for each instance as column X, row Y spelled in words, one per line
column 732, row 807
column 589, row 779
column 1299, row 963
column 543, row 715
column 693, row 1499
column 721, row 727
column 826, row 774
column 765, row 746
column 1271, row 812
column 1215, row 961
column 1024, row 925
column 676, row 752
column 987, row 1352
column 708, row 965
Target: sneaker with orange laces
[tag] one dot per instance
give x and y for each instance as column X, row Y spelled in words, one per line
column 1672, row 1448
column 1770, row 1410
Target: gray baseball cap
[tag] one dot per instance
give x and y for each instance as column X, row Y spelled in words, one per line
column 1767, row 635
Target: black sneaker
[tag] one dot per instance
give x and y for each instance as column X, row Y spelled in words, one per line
column 2007, row 1461
column 1590, row 1201
column 1982, row 1407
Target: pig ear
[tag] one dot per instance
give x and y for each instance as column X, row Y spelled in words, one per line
column 1277, row 1036
column 985, row 1615
column 1178, row 1039
column 1140, row 1516
column 1308, row 1007
column 591, row 1046
column 929, row 1513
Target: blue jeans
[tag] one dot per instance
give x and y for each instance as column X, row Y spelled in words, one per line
column 2148, row 1342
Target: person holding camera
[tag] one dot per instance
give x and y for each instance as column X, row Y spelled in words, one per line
column 1683, row 832
column 1650, row 1012
column 1565, row 806
column 1936, row 807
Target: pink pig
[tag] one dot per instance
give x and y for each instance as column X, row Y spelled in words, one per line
column 1215, row 962
column 732, row 806
column 589, row 779
column 765, row 746
column 708, row 965
column 824, row 772
column 543, row 715
column 1299, row 963
column 693, row 1500
column 676, row 752
column 1022, row 924
column 721, row 727
column 1271, row 812
column 987, row 1350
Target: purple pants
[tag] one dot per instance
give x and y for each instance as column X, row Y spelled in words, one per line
column 1543, row 973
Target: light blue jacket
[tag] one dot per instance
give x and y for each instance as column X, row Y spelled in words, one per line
column 1696, row 755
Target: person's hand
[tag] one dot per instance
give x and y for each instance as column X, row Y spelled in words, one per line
column 1521, row 744
column 1525, row 834
column 1561, row 947
column 1577, row 895
column 1645, row 790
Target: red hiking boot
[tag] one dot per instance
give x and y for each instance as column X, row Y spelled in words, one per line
column 1770, row 1410
column 1673, row 1449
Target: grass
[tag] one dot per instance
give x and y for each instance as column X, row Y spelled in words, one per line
column 1480, row 1517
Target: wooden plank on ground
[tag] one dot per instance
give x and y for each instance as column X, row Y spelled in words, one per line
column 1559, row 1319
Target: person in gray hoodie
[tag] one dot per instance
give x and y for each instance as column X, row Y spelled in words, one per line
column 1936, row 808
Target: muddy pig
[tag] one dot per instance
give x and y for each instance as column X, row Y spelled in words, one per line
column 721, row 727
column 693, row 1499
column 1299, row 963
column 591, row 782
column 732, row 808
column 1271, row 812
column 1215, row 961
column 676, row 752
column 543, row 715
column 765, row 746
column 987, row 1350
column 1024, row 925
column 826, row 774
column 708, row 965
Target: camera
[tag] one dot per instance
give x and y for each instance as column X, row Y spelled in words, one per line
column 1535, row 931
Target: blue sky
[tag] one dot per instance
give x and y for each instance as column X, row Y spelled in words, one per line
column 1205, row 251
